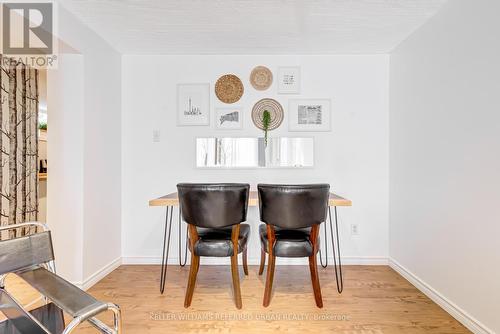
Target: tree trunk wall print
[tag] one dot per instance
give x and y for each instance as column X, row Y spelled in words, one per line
column 23, row 161
column 2, row 88
column 18, row 144
column 12, row 219
column 35, row 150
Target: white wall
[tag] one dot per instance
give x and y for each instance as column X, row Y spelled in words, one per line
column 445, row 160
column 65, row 155
column 353, row 158
column 94, row 116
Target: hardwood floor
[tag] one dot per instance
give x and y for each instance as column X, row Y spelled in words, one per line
column 375, row 300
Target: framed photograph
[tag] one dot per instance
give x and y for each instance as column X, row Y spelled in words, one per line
column 289, row 80
column 229, row 118
column 193, row 104
column 309, row 115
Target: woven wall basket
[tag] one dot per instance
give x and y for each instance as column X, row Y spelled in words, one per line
column 229, row 88
column 261, row 78
column 274, row 108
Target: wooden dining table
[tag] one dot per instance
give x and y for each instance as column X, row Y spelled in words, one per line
column 171, row 200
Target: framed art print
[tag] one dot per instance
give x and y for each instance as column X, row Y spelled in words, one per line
column 289, row 80
column 309, row 115
column 229, row 118
column 193, row 104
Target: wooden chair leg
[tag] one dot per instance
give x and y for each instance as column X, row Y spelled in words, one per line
column 269, row 280
column 262, row 261
column 193, row 271
column 245, row 262
column 313, row 267
column 236, row 280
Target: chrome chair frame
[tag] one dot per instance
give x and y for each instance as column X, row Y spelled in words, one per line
column 88, row 315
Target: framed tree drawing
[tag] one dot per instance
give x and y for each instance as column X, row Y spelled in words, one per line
column 229, row 118
column 289, row 80
column 193, row 104
column 309, row 115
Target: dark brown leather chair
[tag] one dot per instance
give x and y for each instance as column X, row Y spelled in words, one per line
column 214, row 213
column 292, row 215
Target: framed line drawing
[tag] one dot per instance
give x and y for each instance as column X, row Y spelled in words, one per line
column 193, row 104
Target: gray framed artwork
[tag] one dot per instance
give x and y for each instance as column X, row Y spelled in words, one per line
column 229, row 118
column 309, row 115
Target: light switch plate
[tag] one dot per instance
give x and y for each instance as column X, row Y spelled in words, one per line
column 156, row 136
column 354, row 229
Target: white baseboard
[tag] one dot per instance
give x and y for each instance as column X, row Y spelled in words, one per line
column 348, row 260
column 455, row 311
column 363, row 260
column 100, row 274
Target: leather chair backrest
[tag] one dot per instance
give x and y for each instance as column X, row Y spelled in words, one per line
column 213, row 205
column 24, row 252
column 293, row 206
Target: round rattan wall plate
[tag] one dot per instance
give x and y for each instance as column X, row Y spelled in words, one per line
column 229, row 88
column 274, row 108
column 261, row 78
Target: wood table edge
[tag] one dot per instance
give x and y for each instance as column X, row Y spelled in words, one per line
column 168, row 200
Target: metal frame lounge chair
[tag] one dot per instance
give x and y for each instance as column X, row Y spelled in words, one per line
column 31, row 257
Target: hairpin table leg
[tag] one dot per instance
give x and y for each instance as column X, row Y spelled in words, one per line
column 326, row 250
column 181, row 263
column 338, row 272
column 166, row 247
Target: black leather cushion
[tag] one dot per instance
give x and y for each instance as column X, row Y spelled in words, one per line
column 213, row 205
column 293, row 206
column 289, row 242
column 217, row 241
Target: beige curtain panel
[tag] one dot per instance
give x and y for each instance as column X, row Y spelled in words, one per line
column 18, row 143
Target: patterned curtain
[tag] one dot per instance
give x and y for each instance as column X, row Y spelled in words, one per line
column 18, row 143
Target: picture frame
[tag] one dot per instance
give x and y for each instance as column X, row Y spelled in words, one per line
column 193, row 104
column 228, row 118
column 289, row 80
column 311, row 115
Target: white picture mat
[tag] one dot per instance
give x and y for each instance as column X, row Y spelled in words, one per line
column 200, row 98
column 284, row 75
column 309, row 115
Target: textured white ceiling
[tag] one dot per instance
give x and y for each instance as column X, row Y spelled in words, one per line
column 253, row 26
